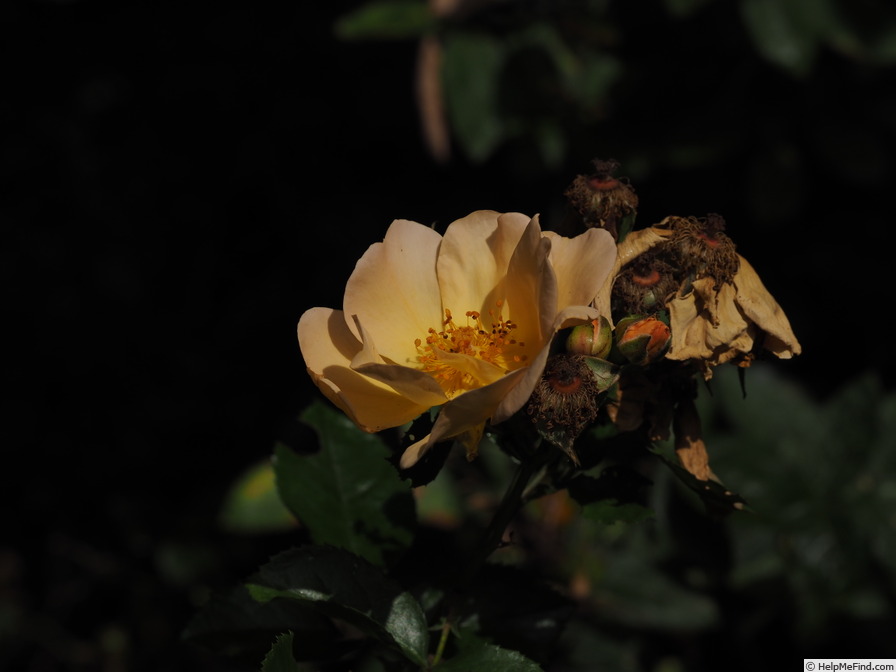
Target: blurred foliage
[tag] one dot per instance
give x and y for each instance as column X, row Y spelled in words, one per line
column 823, row 482
column 584, row 583
column 253, row 504
column 544, row 73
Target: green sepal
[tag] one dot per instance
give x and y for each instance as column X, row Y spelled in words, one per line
column 626, row 226
column 605, row 372
column 635, row 350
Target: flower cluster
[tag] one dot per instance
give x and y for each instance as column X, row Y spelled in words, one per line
column 683, row 302
column 468, row 322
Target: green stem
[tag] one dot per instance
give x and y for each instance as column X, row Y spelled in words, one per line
column 491, row 540
column 509, row 507
column 443, row 640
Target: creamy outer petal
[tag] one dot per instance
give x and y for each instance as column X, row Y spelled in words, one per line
column 463, row 414
column 471, row 409
column 517, row 396
column 394, row 291
column 531, row 288
column 571, row 316
column 474, row 257
column 414, row 452
column 582, row 265
column 328, row 347
column 476, row 406
column 411, row 383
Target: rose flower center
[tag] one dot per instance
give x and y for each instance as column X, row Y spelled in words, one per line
column 493, row 344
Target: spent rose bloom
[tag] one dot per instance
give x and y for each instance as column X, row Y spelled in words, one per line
column 463, row 321
column 713, row 321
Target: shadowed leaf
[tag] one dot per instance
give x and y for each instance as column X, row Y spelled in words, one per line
column 347, row 494
column 344, row 586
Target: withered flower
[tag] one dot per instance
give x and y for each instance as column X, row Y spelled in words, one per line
column 700, row 248
column 689, row 444
column 644, row 285
column 720, row 311
column 568, row 397
column 729, row 324
column 603, row 200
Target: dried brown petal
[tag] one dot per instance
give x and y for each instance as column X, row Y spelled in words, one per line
column 760, row 307
column 715, row 326
column 689, row 444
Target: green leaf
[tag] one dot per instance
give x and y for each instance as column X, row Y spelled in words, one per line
column 585, row 75
column 818, row 476
column 515, row 609
column 252, row 505
column 387, row 20
column 236, row 625
column 474, row 653
column 279, row 658
column 344, row 586
column 347, row 494
column 471, row 75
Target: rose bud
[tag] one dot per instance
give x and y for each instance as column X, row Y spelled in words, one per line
column 642, row 340
column 593, row 339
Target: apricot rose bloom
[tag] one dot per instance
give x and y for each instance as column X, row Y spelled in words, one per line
column 463, row 321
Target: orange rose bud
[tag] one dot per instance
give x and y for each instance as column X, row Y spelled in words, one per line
column 642, row 340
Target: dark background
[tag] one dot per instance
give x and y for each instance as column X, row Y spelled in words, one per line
column 180, row 184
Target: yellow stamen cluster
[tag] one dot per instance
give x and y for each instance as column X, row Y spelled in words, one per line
column 494, row 345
